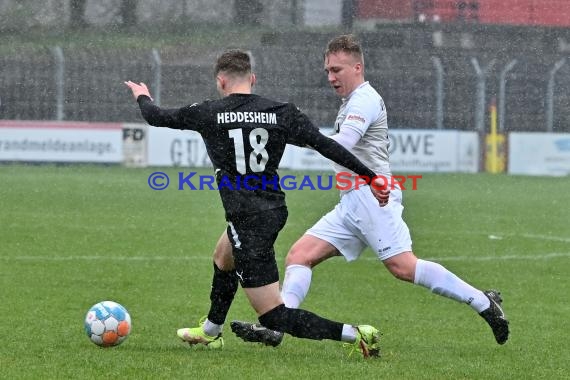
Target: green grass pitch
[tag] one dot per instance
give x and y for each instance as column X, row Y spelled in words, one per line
column 75, row 235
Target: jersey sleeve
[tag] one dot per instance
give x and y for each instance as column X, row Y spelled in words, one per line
column 306, row 134
column 347, row 137
column 178, row 118
column 299, row 124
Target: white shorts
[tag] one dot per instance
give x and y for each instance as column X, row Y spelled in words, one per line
column 358, row 221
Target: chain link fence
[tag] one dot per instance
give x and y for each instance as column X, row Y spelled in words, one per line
column 421, row 89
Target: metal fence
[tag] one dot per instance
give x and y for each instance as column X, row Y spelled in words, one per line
column 448, row 90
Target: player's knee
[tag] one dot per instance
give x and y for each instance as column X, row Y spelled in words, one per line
column 297, row 256
column 401, row 274
column 225, row 263
column 223, row 256
column 310, row 251
column 402, row 266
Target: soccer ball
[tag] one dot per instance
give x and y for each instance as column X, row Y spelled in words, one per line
column 107, row 324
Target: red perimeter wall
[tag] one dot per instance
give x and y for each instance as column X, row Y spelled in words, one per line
column 513, row 12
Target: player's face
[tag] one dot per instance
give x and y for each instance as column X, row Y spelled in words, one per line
column 344, row 72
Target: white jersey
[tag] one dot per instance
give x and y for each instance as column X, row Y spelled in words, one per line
column 358, row 221
column 364, row 111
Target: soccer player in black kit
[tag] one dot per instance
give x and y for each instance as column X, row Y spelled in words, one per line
column 245, row 137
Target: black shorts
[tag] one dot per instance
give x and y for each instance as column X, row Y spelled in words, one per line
column 252, row 238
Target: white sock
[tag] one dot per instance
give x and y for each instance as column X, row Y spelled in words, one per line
column 211, row 328
column 348, row 334
column 296, row 285
column 441, row 281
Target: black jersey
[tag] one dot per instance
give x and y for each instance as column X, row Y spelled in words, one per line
column 245, row 137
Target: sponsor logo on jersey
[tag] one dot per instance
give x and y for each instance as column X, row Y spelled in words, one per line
column 356, row 117
column 247, row 117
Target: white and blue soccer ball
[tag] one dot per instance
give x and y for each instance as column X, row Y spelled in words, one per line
column 107, row 324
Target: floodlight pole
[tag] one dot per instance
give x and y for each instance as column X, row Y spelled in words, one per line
column 438, row 92
column 480, row 97
column 502, row 95
column 550, row 95
column 59, row 82
column 157, row 70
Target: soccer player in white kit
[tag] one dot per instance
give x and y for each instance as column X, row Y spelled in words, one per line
column 358, row 221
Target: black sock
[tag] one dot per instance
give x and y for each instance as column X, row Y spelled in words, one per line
column 224, row 287
column 301, row 323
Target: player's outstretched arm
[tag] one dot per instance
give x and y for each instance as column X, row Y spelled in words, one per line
column 154, row 115
column 337, row 153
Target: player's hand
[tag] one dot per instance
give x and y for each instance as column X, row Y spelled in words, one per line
column 138, row 89
column 380, row 190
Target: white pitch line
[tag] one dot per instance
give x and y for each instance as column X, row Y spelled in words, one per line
column 106, row 258
column 545, row 256
column 546, row 237
column 499, row 236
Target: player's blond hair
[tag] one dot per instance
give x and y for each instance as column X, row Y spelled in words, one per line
column 346, row 43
